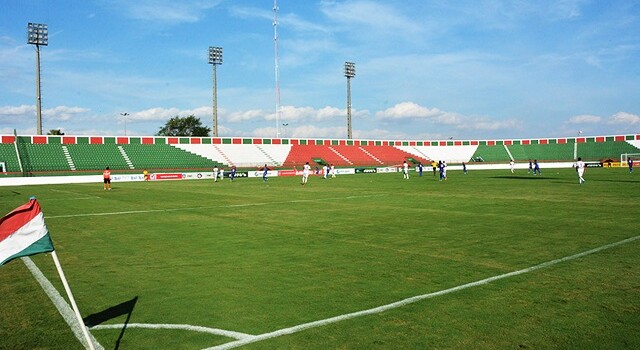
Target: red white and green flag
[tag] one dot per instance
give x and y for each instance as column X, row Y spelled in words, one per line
column 23, row 233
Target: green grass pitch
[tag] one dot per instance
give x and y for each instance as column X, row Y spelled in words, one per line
column 255, row 258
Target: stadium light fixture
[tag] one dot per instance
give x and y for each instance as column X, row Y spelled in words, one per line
column 284, row 125
column 125, row 114
column 215, row 58
column 349, row 72
column 38, row 35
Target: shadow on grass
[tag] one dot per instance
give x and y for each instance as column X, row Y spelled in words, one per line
column 125, row 308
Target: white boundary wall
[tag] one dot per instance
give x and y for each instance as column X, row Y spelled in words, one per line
column 54, row 180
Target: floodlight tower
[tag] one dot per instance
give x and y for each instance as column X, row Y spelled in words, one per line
column 277, row 65
column 215, row 58
column 349, row 72
column 38, row 34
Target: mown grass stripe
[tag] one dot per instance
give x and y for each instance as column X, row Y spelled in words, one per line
column 412, row 300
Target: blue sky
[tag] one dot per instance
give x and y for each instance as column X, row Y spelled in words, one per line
column 476, row 69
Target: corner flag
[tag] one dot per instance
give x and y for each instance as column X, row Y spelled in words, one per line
column 23, row 233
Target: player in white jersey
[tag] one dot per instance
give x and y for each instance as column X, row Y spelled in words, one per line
column 512, row 165
column 305, row 172
column 580, row 167
column 444, row 169
column 405, row 170
column 215, row 173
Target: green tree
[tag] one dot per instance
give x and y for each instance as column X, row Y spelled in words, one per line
column 55, row 132
column 187, row 126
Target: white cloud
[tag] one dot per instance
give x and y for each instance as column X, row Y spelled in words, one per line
column 489, row 125
column 380, row 134
column 406, row 110
column 295, row 22
column 291, row 113
column 411, row 110
column 22, row 131
column 374, row 16
column 313, row 131
column 251, row 12
column 156, row 113
column 241, row 116
column 56, row 113
column 585, row 119
column 21, row 110
column 159, row 113
column 566, row 9
column 63, row 112
column 167, row 11
column 624, row 118
column 301, row 131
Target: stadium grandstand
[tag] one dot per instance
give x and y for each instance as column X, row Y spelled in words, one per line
column 44, row 155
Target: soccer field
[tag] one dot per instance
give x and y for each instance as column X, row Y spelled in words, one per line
column 487, row 260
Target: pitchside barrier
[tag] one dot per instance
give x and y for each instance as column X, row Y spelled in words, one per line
column 52, row 180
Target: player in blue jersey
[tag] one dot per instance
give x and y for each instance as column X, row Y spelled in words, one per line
column 265, row 172
column 630, row 164
column 536, row 167
column 232, row 175
column 419, row 169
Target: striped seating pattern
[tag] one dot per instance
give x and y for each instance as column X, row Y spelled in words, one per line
column 43, row 157
column 9, row 157
column 50, row 157
column 93, row 157
column 164, row 157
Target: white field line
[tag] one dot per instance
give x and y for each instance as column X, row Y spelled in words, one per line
column 184, row 327
column 208, row 207
column 69, row 199
column 83, row 195
column 403, row 302
column 58, row 301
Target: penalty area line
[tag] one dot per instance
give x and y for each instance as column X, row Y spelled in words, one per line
column 411, row 300
column 82, row 195
column 209, row 207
